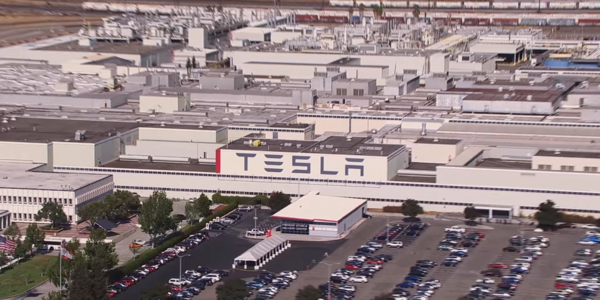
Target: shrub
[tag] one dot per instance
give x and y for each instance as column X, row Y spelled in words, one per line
column 130, row 266
column 571, row 218
column 392, row 209
column 241, row 200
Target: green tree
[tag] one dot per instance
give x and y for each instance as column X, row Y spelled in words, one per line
column 378, row 11
column 353, row 3
column 53, row 295
column 384, row 296
column 188, row 67
column 361, row 10
column 96, row 248
column 53, row 212
column 416, row 12
column 68, row 266
column 34, row 238
column 3, row 258
column 157, row 292
column 470, row 213
column 308, row 292
column 350, row 14
column 279, row 200
column 232, row 289
column 203, row 205
column 92, row 212
column 120, row 204
column 12, row 231
column 21, row 249
column 191, row 213
column 548, row 215
column 155, row 215
column 194, row 63
column 411, row 208
column 89, row 281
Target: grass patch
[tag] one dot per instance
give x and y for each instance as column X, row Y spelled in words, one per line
column 21, row 277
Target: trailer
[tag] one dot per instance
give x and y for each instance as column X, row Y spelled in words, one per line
column 588, row 22
column 505, row 22
column 307, row 18
column 334, row 19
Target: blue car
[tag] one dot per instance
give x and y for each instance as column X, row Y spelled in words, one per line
column 511, row 280
column 254, row 284
column 413, row 278
column 518, row 271
column 406, row 284
column 585, row 292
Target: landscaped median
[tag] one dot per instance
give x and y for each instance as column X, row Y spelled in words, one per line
column 23, row 276
column 176, row 238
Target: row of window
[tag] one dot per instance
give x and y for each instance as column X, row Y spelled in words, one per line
column 330, row 181
column 573, row 210
column 569, row 168
column 344, row 92
column 345, row 116
column 30, row 217
column 35, row 200
column 275, row 129
column 524, row 123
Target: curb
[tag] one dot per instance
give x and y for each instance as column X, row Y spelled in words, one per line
column 26, row 293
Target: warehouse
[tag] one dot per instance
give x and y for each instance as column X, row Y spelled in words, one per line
column 322, row 216
column 513, row 102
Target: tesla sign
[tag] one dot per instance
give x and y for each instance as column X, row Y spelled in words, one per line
column 302, row 164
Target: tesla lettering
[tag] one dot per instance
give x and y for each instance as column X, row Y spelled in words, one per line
column 301, row 164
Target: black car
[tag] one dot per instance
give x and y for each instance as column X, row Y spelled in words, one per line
column 222, row 273
column 336, row 279
column 424, row 266
column 511, row 249
column 217, row 226
column 450, row 263
column 413, row 233
column 468, row 244
column 384, row 257
column 401, row 292
column 366, row 273
column 492, row 272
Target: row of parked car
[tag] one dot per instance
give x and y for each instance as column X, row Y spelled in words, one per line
column 229, row 219
column 581, row 277
column 267, row 284
column 153, row 265
column 506, row 284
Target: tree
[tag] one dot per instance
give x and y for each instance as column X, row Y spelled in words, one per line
column 220, row 8
column 416, row 12
column 120, row 204
column 233, row 289
column 98, row 250
column 53, row 295
column 21, row 249
column 89, row 282
column 470, row 213
column 188, row 67
column 353, row 3
column 548, row 215
column 155, row 215
column 384, row 296
column 34, row 238
column 194, row 63
column 378, row 12
column 350, row 14
column 308, row 292
column 68, row 266
column 361, row 10
column 53, row 212
column 157, row 292
column 12, row 231
column 191, row 213
column 279, row 200
column 203, row 205
column 3, row 258
column 92, row 212
column 411, row 208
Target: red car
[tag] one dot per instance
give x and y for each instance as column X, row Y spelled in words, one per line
column 375, row 261
column 125, row 282
column 111, row 294
column 352, row 267
column 175, row 288
column 128, row 281
column 562, row 286
column 479, row 234
column 498, row 266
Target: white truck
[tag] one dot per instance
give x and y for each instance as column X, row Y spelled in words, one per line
column 455, row 229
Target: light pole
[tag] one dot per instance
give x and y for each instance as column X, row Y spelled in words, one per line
column 329, row 277
column 180, row 259
column 255, row 220
column 387, row 231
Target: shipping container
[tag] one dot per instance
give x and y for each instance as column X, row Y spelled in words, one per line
column 399, row 20
column 589, row 22
column 444, row 4
column 355, row 19
column 334, row 19
column 505, row 22
column 476, row 22
column 562, row 22
column 455, row 21
column 307, row 18
column 534, row 22
column 441, row 21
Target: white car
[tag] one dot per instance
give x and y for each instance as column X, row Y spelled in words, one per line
column 517, row 276
column 340, row 275
column 479, row 288
column 502, row 295
column 139, row 242
column 486, row 280
column 359, row 258
column 463, row 250
column 367, row 247
column 519, row 267
column 178, row 282
column 347, row 287
column 592, row 233
column 455, row 229
column 533, row 248
column 589, row 226
column 255, row 231
column 455, row 258
column 377, row 267
column 214, row 277
column 591, row 285
column 433, row 284
column 399, row 298
column 395, row 244
column 522, row 265
column 567, row 279
column 289, row 274
column 587, row 243
column 359, row 278
column 375, row 245
column 269, row 291
column 192, row 273
column 574, row 270
column 525, row 259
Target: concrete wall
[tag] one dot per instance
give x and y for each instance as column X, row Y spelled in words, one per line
column 108, row 150
column 231, row 82
column 74, row 154
column 516, row 107
column 488, row 66
column 433, row 197
column 164, row 104
column 435, row 153
column 399, row 161
column 322, row 165
column 306, row 72
column 111, row 101
column 579, row 163
column 575, row 99
column 24, row 212
column 170, row 148
column 368, row 87
column 340, row 123
column 25, row 152
column 177, row 135
column 230, row 96
column 351, row 219
column 323, row 231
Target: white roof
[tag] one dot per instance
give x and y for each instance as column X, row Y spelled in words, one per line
column 315, row 207
column 261, row 249
column 18, row 176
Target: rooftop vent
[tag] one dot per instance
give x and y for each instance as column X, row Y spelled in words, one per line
column 436, row 140
column 162, row 124
column 80, row 135
column 557, row 151
column 500, row 89
column 506, row 96
column 529, row 97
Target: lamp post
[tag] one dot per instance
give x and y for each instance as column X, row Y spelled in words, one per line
column 180, row 259
column 329, row 277
column 255, row 220
column 387, row 230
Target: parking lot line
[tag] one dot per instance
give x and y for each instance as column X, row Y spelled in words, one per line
column 394, row 271
column 458, row 280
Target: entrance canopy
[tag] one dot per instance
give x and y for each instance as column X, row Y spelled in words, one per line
column 496, row 211
column 262, row 252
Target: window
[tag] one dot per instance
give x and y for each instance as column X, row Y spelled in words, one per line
column 15, row 215
column 341, row 92
column 590, row 169
column 45, row 199
column 359, row 92
column 20, row 216
column 30, row 200
column 55, row 200
column 4, row 199
column 70, row 218
column 567, row 168
column 29, row 216
column 34, row 200
column 70, row 201
column 20, row 199
column 544, row 167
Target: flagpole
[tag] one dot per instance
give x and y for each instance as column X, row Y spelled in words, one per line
column 60, row 267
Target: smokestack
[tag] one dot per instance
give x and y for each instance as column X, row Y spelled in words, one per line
column 424, row 129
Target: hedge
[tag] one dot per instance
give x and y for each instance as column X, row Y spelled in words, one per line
column 260, row 199
column 148, row 255
column 392, row 209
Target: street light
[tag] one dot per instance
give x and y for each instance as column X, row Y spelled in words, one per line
column 180, row 259
column 329, row 277
column 255, row 219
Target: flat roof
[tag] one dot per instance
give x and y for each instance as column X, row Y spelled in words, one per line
column 133, row 47
column 313, row 208
column 19, row 176
column 573, row 154
column 39, row 130
column 423, row 166
column 414, row 178
column 497, row 163
column 194, row 167
column 333, row 144
column 437, row 141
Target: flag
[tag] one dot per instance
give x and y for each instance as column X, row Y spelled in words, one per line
column 7, row 244
column 64, row 253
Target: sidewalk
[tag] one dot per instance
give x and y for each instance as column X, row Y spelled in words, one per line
column 38, row 292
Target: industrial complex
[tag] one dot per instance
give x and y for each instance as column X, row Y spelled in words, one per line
column 363, row 113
